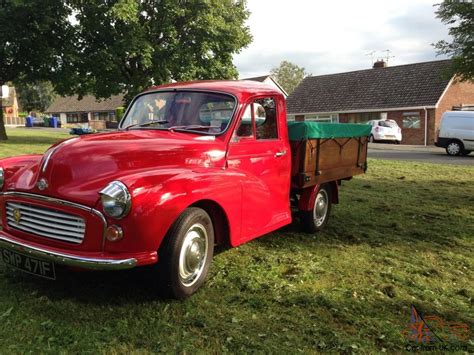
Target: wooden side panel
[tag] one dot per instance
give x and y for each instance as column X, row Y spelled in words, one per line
column 317, row 161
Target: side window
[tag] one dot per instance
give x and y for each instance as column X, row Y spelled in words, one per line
column 266, row 118
column 259, row 115
column 246, row 127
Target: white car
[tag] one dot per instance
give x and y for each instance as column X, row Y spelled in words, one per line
column 456, row 132
column 385, row 130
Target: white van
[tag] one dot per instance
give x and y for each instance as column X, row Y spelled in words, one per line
column 456, row 132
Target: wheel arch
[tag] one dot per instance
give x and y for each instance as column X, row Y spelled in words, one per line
column 219, row 220
column 308, row 195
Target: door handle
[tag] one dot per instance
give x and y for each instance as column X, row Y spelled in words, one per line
column 280, row 154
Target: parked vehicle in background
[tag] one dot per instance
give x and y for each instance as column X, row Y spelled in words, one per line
column 456, row 132
column 385, row 130
column 193, row 165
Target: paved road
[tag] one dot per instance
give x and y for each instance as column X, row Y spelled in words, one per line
column 421, row 156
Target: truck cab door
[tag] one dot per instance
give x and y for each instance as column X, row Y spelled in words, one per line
column 259, row 153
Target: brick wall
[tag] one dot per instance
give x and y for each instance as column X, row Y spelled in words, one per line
column 409, row 135
column 456, row 95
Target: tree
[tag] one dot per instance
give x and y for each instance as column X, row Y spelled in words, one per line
column 106, row 47
column 34, row 41
column 128, row 45
column 459, row 15
column 288, row 75
column 35, row 96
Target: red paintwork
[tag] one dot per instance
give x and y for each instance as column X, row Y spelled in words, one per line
column 165, row 172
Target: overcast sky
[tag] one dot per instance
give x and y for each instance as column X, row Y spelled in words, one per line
column 335, row 36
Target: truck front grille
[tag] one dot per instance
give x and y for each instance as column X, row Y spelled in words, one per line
column 45, row 222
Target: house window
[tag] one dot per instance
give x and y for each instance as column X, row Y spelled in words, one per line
column 363, row 117
column 411, row 120
column 322, row 118
column 76, row 117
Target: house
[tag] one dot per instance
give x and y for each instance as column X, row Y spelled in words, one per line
column 269, row 80
column 98, row 114
column 9, row 105
column 414, row 95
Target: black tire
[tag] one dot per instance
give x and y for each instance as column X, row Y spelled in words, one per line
column 311, row 222
column 398, row 142
column 454, row 148
column 189, row 232
column 371, row 139
column 466, row 152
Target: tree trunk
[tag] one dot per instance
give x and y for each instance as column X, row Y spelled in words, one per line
column 3, row 132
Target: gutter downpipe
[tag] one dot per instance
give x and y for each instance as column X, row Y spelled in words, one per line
column 426, row 126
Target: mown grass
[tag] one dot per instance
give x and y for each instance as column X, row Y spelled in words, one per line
column 29, row 141
column 401, row 235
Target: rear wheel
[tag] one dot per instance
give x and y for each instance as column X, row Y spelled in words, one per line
column 316, row 219
column 186, row 255
column 454, row 148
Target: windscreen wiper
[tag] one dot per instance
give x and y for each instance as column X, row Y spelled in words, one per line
column 190, row 127
column 146, row 124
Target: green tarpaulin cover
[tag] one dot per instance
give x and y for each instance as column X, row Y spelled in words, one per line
column 311, row 130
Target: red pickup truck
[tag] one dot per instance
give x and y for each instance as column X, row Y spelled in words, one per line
column 192, row 165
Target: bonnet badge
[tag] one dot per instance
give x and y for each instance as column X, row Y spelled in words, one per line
column 42, row 184
column 17, row 215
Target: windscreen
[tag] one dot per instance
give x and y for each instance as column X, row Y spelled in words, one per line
column 201, row 112
column 390, row 124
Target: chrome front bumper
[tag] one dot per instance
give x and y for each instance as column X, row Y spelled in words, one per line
column 65, row 258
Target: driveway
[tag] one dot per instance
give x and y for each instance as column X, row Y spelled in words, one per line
column 417, row 153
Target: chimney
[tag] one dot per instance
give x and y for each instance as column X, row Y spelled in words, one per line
column 380, row 64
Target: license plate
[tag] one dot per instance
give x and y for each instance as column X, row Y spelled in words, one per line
column 28, row 264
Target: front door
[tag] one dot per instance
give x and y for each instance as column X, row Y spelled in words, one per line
column 264, row 160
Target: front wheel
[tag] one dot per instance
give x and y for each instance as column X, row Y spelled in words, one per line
column 186, row 255
column 454, row 148
column 316, row 219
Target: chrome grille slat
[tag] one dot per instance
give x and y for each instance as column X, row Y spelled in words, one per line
column 47, row 218
column 40, row 229
column 45, row 222
column 29, row 230
column 44, row 211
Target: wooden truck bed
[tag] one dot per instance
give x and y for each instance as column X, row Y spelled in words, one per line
column 323, row 152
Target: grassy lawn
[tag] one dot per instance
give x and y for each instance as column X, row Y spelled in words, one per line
column 401, row 235
column 29, row 141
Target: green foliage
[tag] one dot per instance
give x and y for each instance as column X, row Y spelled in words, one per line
column 288, row 75
column 118, row 46
column 128, row 45
column 35, row 96
column 345, row 290
column 459, row 16
column 119, row 112
column 36, row 40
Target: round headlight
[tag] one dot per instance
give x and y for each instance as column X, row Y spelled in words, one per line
column 116, row 200
column 2, row 177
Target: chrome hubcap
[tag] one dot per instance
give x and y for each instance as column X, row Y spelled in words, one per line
column 320, row 208
column 192, row 257
column 453, row 148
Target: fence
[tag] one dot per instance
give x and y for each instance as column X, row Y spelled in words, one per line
column 13, row 121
